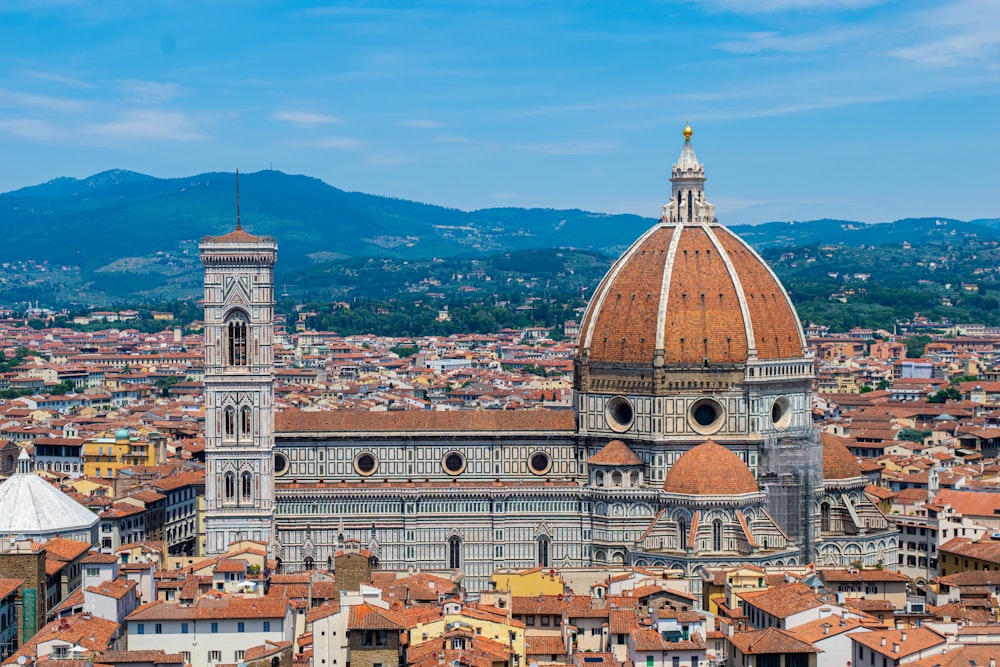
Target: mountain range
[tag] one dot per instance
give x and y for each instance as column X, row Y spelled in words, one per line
column 121, row 223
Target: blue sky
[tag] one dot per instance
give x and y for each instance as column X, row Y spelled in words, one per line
column 860, row 109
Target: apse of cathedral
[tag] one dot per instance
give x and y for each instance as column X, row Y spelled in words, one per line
column 691, row 442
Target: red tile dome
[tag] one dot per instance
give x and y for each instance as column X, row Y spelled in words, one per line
column 685, row 293
column 838, row 462
column 709, row 469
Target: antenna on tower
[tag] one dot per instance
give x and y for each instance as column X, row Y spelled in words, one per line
column 238, row 199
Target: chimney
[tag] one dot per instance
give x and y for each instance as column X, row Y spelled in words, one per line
column 883, row 641
column 902, row 636
column 895, row 647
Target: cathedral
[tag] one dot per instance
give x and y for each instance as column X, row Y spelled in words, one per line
column 690, row 445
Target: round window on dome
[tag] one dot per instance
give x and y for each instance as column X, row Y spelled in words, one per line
column 365, row 463
column 453, row 463
column 280, row 464
column 781, row 412
column 619, row 414
column 706, row 416
column 539, row 463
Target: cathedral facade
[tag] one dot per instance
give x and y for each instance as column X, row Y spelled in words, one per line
column 690, row 444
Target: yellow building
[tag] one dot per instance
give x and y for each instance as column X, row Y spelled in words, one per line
column 104, row 456
column 482, row 622
column 728, row 583
column 528, row 583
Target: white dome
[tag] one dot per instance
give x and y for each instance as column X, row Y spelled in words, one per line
column 32, row 507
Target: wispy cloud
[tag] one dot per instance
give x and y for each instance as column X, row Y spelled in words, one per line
column 771, row 6
column 304, row 118
column 149, row 124
column 59, row 78
column 422, row 124
column 757, row 42
column 967, row 31
column 138, row 90
column 341, row 143
column 571, row 147
column 30, row 128
column 13, row 98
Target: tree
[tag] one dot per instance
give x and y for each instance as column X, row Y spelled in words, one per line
column 912, row 435
column 915, row 346
column 943, row 395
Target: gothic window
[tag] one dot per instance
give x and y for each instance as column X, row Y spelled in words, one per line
column 543, row 551
column 229, row 423
column 454, row 553
column 824, row 517
column 682, row 531
column 717, row 535
column 236, row 340
column 229, row 486
column 308, row 563
column 690, row 203
column 246, row 486
column 246, row 423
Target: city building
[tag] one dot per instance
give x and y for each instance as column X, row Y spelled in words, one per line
column 690, row 443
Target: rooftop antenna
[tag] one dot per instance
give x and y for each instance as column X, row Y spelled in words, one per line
column 238, row 226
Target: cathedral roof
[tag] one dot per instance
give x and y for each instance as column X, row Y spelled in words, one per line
column 690, row 293
column 838, row 462
column 615, row 453
column 411, row 421
column 709, row 470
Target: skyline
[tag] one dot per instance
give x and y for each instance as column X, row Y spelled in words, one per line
column 801, row 109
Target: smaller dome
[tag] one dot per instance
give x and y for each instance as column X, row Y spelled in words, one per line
column 838, row 462
column 709, row 470
column 123, row 434
column 615, row 453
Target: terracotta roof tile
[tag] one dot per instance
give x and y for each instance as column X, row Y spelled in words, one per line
column 709, row 469
column 615, row 453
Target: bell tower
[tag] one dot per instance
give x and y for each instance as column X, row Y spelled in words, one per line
column 239, row 387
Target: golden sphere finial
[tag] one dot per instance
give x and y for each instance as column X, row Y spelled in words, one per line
column 687, row 131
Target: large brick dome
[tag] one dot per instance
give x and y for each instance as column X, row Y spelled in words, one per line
column 709, row 470
column 690, row 293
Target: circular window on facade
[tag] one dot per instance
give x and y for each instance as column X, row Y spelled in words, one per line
column 781, row 412
column 365, row 463
column 453, row 463
column 539, row 463
column 619, row 414
column 280, row 464
column 706, row 416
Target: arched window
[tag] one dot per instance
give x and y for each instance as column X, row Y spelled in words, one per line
column 543, row 551
column 236, row 340
column 633, row 478
column 824, row 517
column 616, row 478
column 229, row 486
column 308, row 563
column 246, row 486
column 229, row 423
column 690, row 203
column 599, row 478
column 682, row 533
column 717, row 535
column 246, row 423
column 454, row 553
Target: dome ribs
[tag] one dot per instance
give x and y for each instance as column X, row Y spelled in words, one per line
column 703, row 316
column 776, row 326
column 624, row 329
